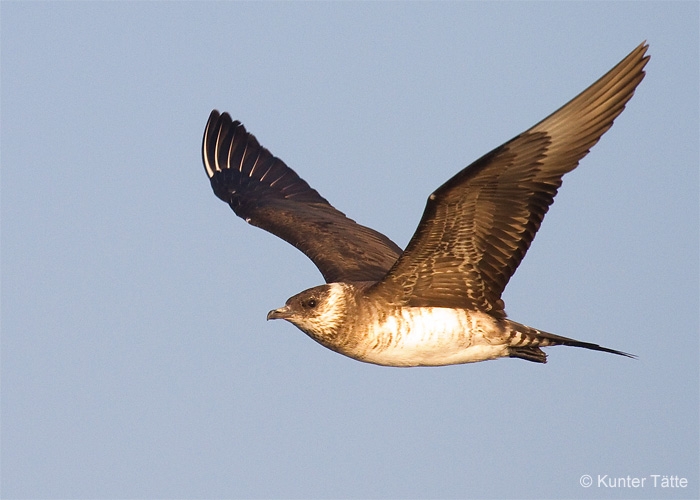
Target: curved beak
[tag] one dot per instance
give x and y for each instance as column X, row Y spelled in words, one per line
column 281, row 313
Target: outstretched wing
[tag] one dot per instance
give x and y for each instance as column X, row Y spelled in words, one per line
column 265, row 192
column 477, row 226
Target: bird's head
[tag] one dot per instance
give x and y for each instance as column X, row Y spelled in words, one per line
column 318, row 311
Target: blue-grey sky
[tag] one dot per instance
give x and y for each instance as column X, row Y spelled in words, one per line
column 136, row 359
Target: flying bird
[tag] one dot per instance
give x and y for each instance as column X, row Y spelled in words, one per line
column 438, row 302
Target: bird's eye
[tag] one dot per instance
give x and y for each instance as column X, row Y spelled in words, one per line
column 311, row 303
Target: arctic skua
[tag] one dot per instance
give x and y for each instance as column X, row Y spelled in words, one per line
column 438, row 302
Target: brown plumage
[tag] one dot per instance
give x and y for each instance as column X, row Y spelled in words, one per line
column 265, row 192
column 475, row 231
column 477, row 226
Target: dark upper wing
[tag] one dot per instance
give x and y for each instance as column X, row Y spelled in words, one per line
column 477, row 226
column 265, row 192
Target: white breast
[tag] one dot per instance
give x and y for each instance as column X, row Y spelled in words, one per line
column 431, row 336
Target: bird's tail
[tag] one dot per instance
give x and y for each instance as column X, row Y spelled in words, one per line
column 525, row 343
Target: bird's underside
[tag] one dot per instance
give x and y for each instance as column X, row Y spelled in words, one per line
column 439, row 301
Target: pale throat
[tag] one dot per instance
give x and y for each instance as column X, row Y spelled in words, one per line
column 330, row 314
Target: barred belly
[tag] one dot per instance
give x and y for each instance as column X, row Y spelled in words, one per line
column 432, row 336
